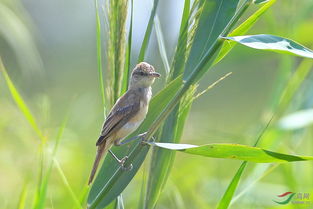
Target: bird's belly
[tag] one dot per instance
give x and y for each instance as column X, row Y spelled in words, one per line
column 127, row 129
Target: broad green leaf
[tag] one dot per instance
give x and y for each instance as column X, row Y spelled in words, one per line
column 297, row 120
column 216, row 14
column 273, row 43
column 242, row 29
column 146, row 38
column 234, row 151
column 110, row 174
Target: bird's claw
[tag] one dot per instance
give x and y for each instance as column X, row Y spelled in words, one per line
column 145, row 142
column 122, row 162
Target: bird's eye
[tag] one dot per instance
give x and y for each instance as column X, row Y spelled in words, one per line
column 142, row 73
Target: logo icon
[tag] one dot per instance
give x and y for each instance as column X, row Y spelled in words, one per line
column 285, row 198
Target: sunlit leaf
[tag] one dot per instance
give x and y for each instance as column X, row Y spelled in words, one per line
column 234, row 151
column 273, row 43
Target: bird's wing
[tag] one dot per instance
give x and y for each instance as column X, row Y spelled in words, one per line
column 124, row 109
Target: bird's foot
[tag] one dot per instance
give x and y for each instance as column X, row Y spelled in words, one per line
column 122, row 163
column 144, row 141
column 120, row 142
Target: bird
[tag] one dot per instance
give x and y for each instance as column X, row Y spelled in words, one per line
column 127, row 114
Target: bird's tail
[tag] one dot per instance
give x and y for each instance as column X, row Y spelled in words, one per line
column 100, row 152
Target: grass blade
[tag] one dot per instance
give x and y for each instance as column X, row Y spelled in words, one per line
column 162, row 49
column 146, row 38
column 228, row 195
column 99, row 56
column 22, row 198
column 41, row 197
column 31, row 120
column 289, row 91
column 233, row 151
column 21, row 104
column 67, row 185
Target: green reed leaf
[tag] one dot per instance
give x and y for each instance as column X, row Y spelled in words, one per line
column 273, row 43
column 234, row 151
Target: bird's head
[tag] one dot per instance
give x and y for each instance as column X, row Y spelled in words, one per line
column 143, row 75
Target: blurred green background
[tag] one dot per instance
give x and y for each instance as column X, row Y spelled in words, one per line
column 49, row 50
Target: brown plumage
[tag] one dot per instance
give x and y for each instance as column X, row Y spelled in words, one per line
column 127, row 113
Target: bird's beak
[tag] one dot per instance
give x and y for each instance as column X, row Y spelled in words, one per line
column 155, row 74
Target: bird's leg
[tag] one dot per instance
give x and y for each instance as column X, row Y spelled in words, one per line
column 119, row 143
column 145, row 142
column 121, row 161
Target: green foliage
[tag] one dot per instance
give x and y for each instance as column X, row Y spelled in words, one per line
column 206, row 36
column 40, row 195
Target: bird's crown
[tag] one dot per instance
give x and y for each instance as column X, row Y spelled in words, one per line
column 143, row 68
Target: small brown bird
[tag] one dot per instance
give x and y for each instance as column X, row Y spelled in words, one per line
column 128, row 112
